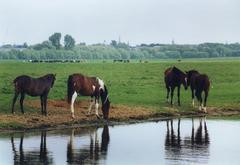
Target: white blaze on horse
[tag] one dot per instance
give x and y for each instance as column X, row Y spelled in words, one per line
column 94, row 87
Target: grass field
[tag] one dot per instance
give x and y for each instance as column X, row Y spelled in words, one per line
column 133, row 84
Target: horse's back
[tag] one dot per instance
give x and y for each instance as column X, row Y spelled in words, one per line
column 82, row 84
column 167, row 71
column 22, row 81
column 203, row 81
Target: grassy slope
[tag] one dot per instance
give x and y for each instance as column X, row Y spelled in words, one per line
column 131, row 84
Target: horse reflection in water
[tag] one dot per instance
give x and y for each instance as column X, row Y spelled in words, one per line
column 40, row 156
column 93, row 152
column 190, row 147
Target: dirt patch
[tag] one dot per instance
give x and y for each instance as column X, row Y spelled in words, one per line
column 59, row 115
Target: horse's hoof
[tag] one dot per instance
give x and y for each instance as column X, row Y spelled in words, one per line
column 204, row 109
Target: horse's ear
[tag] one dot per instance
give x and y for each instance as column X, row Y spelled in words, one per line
column 55, row 74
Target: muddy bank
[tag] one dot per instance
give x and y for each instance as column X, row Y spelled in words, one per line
column 59, row 115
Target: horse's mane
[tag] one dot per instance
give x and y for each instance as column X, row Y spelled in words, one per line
column 191, row 72
column 177, row 71
column 47, row 76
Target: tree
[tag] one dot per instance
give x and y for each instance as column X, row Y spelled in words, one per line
column 55, row 40
column 113, row 43
column 25, row 45
column 69, row 42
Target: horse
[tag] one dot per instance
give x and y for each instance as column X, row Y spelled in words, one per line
column 88, row 86
column 33, row 87
column 199, row 83
column 174, row 78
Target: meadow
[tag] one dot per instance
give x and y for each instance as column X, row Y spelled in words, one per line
column 131, row 84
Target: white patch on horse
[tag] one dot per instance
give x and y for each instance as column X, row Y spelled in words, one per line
column 185, row 80
column 101, row 83
column 74, row 96
column 93, row 87
column 96, row 108
column 193, row 102
column 205, row 109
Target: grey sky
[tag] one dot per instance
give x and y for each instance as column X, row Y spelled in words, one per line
column 136, row 21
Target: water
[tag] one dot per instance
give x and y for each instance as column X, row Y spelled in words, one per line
column 184, row 141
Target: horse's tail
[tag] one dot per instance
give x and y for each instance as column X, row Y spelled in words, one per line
column 70, row 88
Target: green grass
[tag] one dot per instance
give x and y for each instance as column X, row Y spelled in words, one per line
column 131, row 84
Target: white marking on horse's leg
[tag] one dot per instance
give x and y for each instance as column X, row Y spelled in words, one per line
column 193, row 102
column 90, row 107
column 205, row 109
column 74, row 96
column 96, row 108
column 200, row 108
column 168, row 100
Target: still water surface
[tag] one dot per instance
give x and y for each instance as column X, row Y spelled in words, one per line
column 184, row 141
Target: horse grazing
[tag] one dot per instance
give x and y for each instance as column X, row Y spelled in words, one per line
column 199, row 83
column 88, row 86
column 174, row 78
column 33, row 87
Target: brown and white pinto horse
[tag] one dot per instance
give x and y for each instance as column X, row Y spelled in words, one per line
column 174, row 78
column 88, row 86
column 199, row 83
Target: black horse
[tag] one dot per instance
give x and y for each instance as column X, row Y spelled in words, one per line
column 198, row 83
column 174, row 78
column 33, row 87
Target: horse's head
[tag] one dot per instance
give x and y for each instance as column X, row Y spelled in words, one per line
column 189, row 74
column 188, row 77
column 105, row 102
column 51, row 78
column 181, row 75
column 184, row 81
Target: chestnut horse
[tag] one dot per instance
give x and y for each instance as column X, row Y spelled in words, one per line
column 33, row 87
column 199, row 83
column 88, row 86
column 174, row 78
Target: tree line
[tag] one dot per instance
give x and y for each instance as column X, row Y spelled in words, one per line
column 52, row 49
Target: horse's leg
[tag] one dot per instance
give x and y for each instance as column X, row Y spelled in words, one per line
column 74, row 96
column 178, row 93
column 41, row 98
column 45, row 104
column 96, row 106
column 192, row 97
column 205, row 101
column 90, row 107
column 172, row 91
column 168, row 90
column 14, row 101
column 199, row 98
column 21, row 102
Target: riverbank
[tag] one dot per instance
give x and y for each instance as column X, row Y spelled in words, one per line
column 59, row 115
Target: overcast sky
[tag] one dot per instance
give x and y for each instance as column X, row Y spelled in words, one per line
column 135, row 21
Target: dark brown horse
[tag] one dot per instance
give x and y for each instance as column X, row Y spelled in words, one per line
column 199, row 83
column 33, row 87
column 88, row 86
column 174, row 78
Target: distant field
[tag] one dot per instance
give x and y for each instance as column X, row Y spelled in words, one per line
column 133, row 84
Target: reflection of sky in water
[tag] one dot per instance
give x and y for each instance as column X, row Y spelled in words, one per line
column 141, row 144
